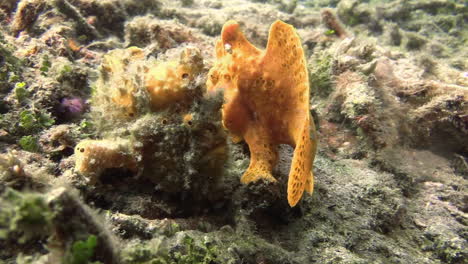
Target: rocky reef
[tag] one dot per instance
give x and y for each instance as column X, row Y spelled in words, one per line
column 112, row 151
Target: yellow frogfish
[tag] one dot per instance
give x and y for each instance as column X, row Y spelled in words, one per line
column 266, row 94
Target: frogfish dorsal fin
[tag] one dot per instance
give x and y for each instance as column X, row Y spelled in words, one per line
column 284, row 61
column 234, row 41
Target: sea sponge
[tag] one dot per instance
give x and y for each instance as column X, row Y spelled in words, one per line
column 169, row 82
column 130, row 85
column 115, row 90
column 187, row 118
column 267, row 102
column 92, row 157
column 158, row 106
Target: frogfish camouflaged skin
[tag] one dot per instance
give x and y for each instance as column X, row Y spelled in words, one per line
column 266, row 95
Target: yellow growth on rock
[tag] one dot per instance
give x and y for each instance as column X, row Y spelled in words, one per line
column 115, row 85
column 95, row 156
column 168, row 82
column 187, row 118
column 130, row 85
column 267, row 102
column 127, row 79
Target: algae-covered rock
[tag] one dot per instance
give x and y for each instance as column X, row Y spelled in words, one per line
column 353, row 12
column 10, row 66
column 171, row 136
column 25, row 215
column 146, row 30
column 26, row 14
column 159, row 182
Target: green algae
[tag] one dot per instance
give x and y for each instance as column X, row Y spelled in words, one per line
column 82, row 252
column 10, row 66
column 187, row 251
column 320, row 74
column 34, row 121
column 21, row 92
column 26, row 214
column 29, row 143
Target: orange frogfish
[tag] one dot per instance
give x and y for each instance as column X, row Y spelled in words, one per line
column 266, row 102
